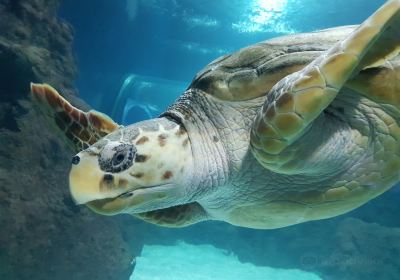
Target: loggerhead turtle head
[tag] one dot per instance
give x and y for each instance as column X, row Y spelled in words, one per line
column 138, row 168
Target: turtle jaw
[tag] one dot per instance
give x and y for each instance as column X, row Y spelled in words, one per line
column 132, row 201
column 85, row 180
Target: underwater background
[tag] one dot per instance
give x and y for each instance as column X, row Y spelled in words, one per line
column 130, row 59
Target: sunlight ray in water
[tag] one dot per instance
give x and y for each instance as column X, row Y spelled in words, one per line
column 264, row 16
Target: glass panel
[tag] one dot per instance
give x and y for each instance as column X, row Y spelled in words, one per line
column 143, row 97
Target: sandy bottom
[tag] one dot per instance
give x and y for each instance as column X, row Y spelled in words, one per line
column 204, row 262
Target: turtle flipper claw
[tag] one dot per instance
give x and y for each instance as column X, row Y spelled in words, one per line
column 78, row 129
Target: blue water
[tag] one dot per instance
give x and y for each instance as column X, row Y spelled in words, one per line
column 124, row 46
column 173, row 39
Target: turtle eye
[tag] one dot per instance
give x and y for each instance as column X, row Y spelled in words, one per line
column 117, row 158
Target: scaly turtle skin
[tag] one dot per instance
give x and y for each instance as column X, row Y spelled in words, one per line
column 293, row 129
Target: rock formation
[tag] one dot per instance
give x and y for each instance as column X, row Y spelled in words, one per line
column 364, row 251
column 43, row 235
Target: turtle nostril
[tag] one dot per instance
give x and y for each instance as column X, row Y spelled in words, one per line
column 119, row 158
column 76, row 160
column 108, row 177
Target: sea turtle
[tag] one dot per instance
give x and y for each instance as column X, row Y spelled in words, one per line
column 293, row 129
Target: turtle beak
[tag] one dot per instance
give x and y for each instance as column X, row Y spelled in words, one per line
column 102, row 192
column 111, row 193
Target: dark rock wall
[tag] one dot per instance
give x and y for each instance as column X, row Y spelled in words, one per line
column 43, row 235
column 34, row 44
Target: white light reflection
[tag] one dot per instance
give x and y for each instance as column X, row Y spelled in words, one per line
column 266, row 10
column 199, row 21
column 264, row 16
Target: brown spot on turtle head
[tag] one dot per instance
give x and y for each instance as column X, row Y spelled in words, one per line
column 108, row 178
column 107, row 183
column 141, row 158
column 162, row 139
column 167, row 175
column 142, row 140
column 123, row 183
column 181, row 131
column 137, row 175
column 185, row 142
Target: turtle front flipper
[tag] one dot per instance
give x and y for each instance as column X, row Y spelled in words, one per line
column 297, row 100
column 78, row 129
column 176, row 216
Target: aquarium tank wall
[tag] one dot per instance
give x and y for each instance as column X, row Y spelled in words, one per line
column 131, row 59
